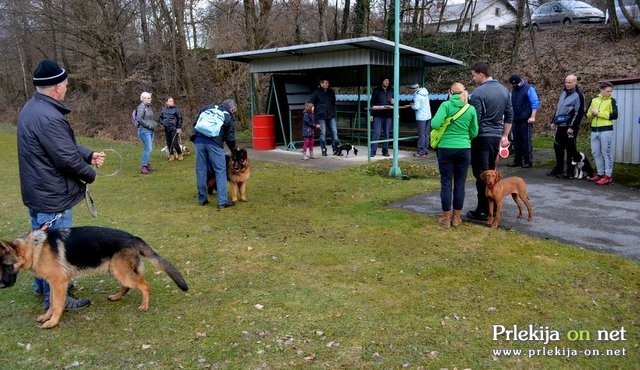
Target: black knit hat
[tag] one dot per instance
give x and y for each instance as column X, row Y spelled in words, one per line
column 48, row 73
column 515, row 79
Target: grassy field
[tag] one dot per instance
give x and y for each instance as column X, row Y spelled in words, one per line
column 317, row 271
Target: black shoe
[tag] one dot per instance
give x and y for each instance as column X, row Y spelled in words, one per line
column 527, row 165
column 566, row 176
column 386, row 154
column 477, row 215
column 324, row 152
column 514, row 164
column 72, row 303
column 204, row 203
column 554, row 172
column 226, row 205
column 373, row 155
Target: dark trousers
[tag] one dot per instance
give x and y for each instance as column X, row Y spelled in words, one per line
column 453, row 165
column 484, row 151
column 173, row 141
column 562, row 142
column 522, row 142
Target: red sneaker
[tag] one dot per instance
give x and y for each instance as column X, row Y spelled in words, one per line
column 595, row 178
column 605, row 180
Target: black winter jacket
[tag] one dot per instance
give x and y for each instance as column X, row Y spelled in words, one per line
column 53, row 167
column 171, row 117
column 324, row 102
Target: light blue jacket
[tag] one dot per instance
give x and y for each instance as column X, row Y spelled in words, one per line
column 421, row 105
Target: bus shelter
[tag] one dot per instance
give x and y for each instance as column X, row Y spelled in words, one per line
column 352, row 65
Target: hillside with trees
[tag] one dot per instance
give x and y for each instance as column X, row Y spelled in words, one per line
column 115, row 49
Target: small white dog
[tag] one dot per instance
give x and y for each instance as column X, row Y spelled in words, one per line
column 185, row 150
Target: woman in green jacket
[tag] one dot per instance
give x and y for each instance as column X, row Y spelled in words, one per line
column 454, row 152
column 602, row 112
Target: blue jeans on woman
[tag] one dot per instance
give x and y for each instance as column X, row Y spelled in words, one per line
column 335, row 142
column 211, row 156
column 146, row 136
column 453, row 165
column 41, row 286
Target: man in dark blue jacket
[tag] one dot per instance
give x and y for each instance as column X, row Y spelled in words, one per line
column 382, row 115
column 54, row 169
column 525, row 102
column 324, row 101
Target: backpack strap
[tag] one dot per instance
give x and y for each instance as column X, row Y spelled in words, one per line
column 460, row 112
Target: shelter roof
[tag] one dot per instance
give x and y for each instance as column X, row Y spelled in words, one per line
column 360, row 51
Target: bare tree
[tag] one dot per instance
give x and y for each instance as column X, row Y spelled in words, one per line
column 345, row 18
column 322, row 6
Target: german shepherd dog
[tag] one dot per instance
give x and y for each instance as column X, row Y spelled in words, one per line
column 59, row 255
column 238, row 171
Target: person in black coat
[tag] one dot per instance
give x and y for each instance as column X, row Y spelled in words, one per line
column 324, row 101
column 54, row 169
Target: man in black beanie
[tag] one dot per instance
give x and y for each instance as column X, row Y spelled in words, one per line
column 54, row 169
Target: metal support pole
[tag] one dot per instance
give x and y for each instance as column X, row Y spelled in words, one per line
column 395, row 169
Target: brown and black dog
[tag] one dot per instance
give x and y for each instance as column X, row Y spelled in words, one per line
column 59, row 255
column 497, row 188
column 238, row 171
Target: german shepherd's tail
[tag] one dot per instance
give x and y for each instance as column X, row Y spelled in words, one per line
column 163, row 265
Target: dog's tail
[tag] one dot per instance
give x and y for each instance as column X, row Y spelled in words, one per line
column 163, row 265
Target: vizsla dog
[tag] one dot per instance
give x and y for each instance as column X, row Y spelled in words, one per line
column 497, row 188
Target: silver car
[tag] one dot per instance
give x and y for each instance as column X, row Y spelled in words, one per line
column 564, row 13
column 632, row 8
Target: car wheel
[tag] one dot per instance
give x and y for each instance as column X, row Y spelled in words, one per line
column 536, row 27
column 566, row 22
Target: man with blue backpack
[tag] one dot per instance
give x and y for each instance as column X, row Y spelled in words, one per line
column 214, row 126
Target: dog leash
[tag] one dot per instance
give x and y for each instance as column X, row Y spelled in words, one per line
column 91, row 206
column 50, row 223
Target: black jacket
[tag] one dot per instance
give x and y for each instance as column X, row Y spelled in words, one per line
column 53, row 167
column 171, row 117
column 324, row 102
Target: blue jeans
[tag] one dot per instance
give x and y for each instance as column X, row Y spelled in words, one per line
column 37, row 220
column 335, row 142
column 146, row 136
column 381, row 125
column 211, row 156
column 424, row 131
column 453, row 165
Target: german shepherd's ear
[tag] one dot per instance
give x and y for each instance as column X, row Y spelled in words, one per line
column 243, row 153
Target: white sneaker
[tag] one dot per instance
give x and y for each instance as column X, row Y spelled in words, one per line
column 304, row 157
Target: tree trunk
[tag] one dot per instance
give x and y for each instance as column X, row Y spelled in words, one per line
column 182, row 51
column 322, row 6
column 517, row 36
column 345, row 19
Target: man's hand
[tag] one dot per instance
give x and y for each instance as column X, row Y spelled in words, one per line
column 179, row 130
column 504, row 142
column 97, row 159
